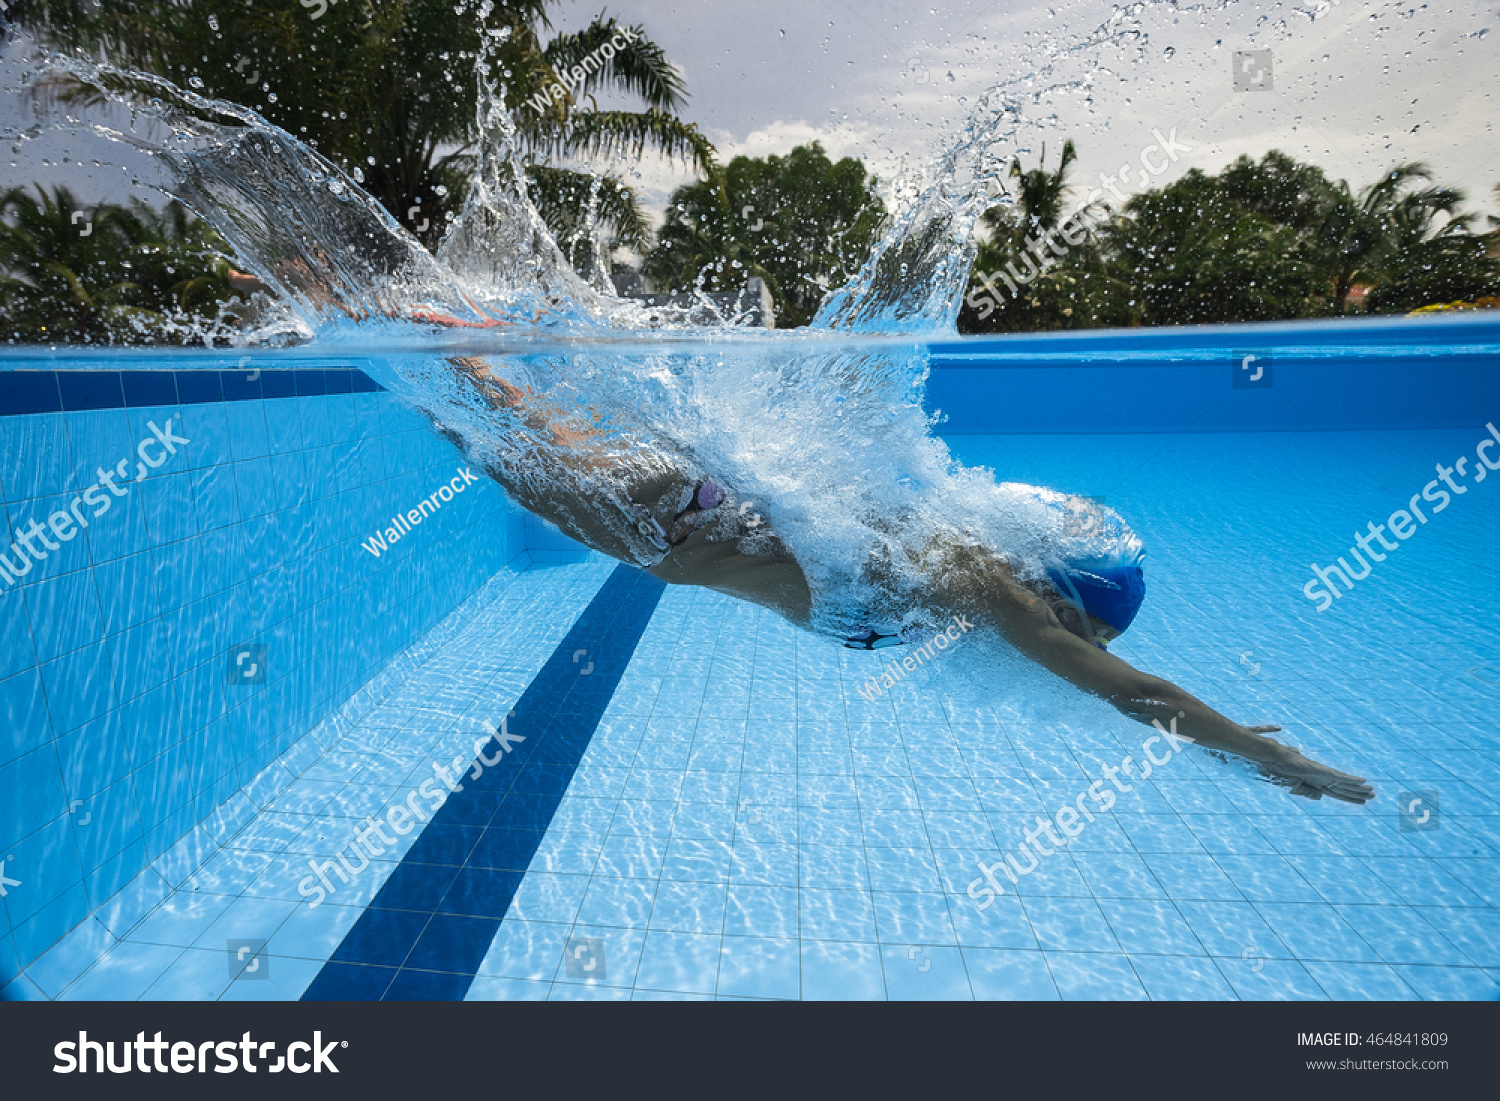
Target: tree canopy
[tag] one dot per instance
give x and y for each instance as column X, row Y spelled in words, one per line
column 802, row 222
column 105, row 274
column 388, row 90
column 1261, row 240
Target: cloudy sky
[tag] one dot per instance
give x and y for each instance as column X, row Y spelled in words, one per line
column 1365, row 85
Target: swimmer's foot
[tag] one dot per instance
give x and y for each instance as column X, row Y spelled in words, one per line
column 1305, row 777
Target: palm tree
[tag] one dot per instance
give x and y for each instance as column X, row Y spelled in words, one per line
column 552, row 92
column 106, row 273
column 1413, row 245
column 1047, row 292
column 1035, row 210
column 1039, row 197
column 1366, row 236
column 1040, row 193
column 387, row 89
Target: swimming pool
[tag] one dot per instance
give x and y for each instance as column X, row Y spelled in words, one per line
column 216, row 683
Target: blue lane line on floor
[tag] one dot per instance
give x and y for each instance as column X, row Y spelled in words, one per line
column 425, row 933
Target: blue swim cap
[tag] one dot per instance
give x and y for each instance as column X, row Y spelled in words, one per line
column 1110, row 593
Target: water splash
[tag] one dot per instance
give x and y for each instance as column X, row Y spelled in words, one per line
column 499, row 245
column 823, row 436
column 333, row 253
column 916, row 275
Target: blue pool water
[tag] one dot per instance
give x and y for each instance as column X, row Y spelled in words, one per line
column 703, row 806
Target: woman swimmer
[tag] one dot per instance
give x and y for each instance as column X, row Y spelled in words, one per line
column 649, row 506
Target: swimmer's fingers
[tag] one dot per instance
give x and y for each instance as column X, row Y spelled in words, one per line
column 1268, row 729
column 1336, row 785
column 1351, row 789
column 1311, row 780
column 1297, row 787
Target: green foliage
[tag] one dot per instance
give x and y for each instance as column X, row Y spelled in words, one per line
column 1279, row 189
column 1451, row 267
column 1021, row 284
column 387, row 88
column 1193, row 255
column 1040, row 196
column 1260, row 241
column 109, row 274
column 802, row 222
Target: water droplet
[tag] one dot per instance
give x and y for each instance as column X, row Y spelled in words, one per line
column 195, row 82
column 1168, row 52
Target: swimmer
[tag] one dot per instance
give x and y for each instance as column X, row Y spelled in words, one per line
column 654, row 508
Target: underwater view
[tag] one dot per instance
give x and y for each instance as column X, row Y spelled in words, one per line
column 548, row 558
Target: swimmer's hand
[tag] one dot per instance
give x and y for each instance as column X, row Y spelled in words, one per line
column 1305, row 777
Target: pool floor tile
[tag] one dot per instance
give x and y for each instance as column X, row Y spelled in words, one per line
column 759, row 967
column 842, row 971
column 1095, row 976
column 743, row 825
column 1008, row 975
column 1182, row 978
column 925, row 973
column 687, row 962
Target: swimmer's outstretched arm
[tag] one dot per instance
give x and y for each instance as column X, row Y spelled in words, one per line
column 1027, row 621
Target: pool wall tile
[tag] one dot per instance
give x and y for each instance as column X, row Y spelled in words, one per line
column 224, row 524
